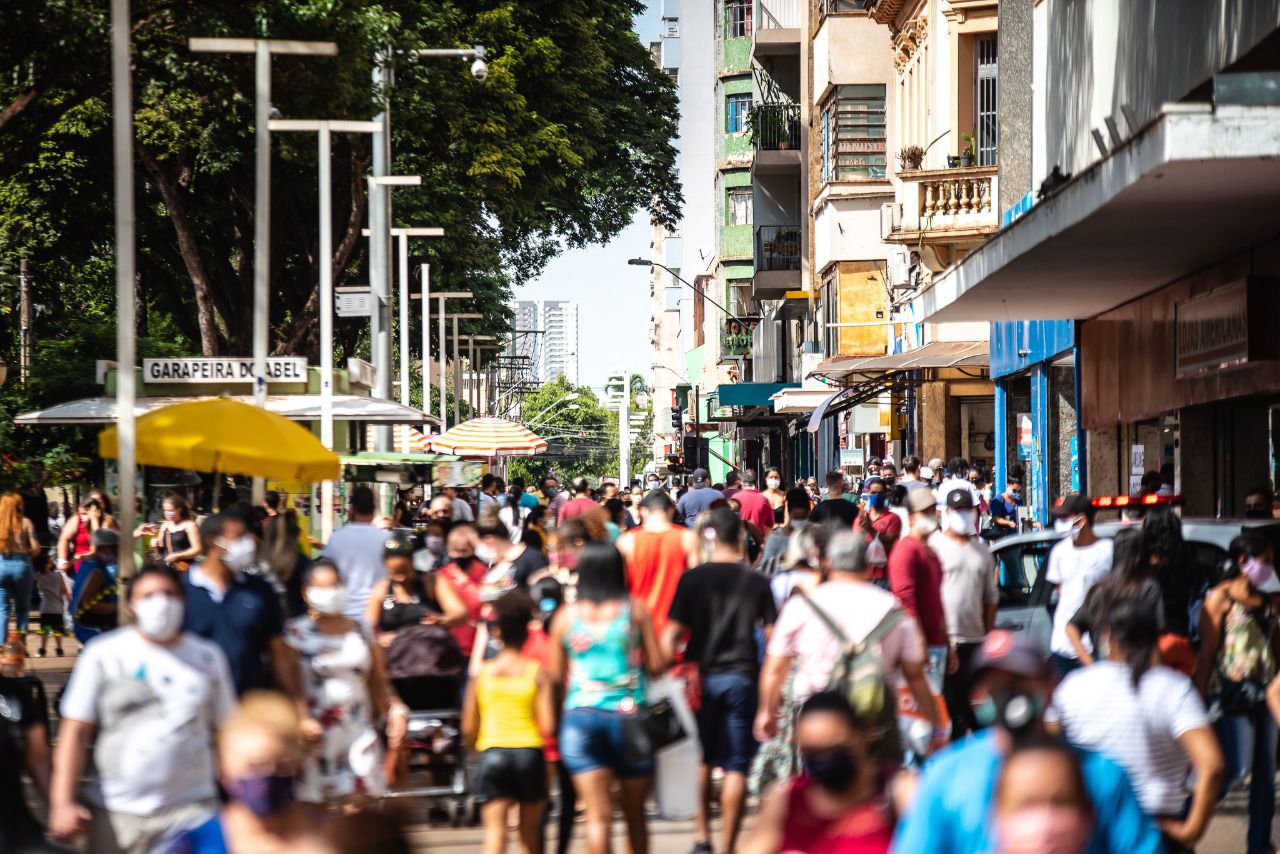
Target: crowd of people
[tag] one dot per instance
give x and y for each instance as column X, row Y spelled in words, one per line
column 836, row 647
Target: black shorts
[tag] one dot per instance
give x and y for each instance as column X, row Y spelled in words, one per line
column 515, row 773
column 52, row 624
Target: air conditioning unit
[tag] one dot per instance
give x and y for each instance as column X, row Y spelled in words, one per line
column 899, row 270
column 890, row 219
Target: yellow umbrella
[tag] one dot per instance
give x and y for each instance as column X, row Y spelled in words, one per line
column 223, row 435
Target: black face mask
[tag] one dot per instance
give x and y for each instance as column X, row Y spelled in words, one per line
column 1015, row 710
column 1257, row 513
column 464, row 562
column 832, row 768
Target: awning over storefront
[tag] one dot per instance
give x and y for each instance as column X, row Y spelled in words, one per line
column 297, row 407
column 1193, row 187
column 938, row 354
column 793, row 401
column 750, row 394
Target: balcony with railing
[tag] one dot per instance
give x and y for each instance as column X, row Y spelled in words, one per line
column 775, row 134
column 777, row 31
column 953, row 207
column 777, row 261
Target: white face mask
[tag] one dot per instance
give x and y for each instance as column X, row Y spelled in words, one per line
column 1062, row 526
column 327, row 600
column 159, row 616
column 435, row 545
column 486, row 553
column 772, row 482
column 239, row 552
column 962, row 521
column 924, row 524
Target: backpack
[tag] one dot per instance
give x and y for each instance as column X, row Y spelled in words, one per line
column 859, row 677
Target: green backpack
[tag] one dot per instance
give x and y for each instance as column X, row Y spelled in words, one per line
column 859, row 677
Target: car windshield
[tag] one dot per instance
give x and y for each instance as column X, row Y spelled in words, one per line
column 1020, row 568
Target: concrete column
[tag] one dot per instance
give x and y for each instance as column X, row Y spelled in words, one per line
column 1000, row 467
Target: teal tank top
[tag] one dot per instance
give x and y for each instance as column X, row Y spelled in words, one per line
column 605, row 669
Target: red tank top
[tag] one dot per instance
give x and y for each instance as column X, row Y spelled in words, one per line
column 864, row 829
column 83, row 543
column 658, row 560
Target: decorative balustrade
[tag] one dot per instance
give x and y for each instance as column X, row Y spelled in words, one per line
column 940, row 200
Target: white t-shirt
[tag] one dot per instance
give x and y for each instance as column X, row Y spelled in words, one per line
column 1075, row 571
column 857, row 608
column 968, row 585
column 1138, row 729
column 357, row 550
column 156, row 710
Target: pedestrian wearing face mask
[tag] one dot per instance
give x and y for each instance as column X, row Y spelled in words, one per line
column 776, row 495
column 969, row 598
column 356, row 548
column 260, row 755
column 1004, row 511
column 147, row 699
column 238, row 611
column 881, row 526
column 953, row 808
column 1078, row 562
column 838, row 802
column 1042, row 803
column 345, row 694
column 915, row 577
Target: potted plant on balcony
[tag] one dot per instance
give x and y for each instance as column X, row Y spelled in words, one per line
column 768, row 127
column 910, row 157
column 968, row 156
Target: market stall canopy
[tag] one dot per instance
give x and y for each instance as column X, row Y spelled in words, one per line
column 489, row 437
column 296, row 407
column 223, row 435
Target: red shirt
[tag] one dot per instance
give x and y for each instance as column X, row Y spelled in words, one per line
column 576, row 507
column 756, row 509
column 865, row 829
column 888, row 525
column 915, row 577
column 657, row 562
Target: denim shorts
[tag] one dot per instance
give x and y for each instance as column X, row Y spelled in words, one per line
column 591, row 739
column 515, row 773
column 724, row 721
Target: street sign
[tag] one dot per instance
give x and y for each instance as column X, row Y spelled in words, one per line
column 289, row 369
column 353, row 302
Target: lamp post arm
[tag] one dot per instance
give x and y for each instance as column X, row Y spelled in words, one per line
column 684, row 282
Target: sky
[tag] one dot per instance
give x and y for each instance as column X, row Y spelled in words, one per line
column 612, row 298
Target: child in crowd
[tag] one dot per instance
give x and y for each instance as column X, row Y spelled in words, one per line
column 507, row 711
column 54, row 588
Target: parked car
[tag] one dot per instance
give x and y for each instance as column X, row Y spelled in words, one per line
column 1027, row 599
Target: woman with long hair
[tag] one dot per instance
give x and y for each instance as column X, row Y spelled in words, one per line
column 1129, row 578
column 76, row 539
column 1179, row 582
column 18, row 545
column 178, row 537
column 1153, row 723
column 1238, row 654
column 281, row 557
column 603, row 643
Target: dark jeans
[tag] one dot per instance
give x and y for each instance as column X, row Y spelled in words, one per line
column 724, row 722
column 1249, row 746
column 1062, row 664
column 955, row 691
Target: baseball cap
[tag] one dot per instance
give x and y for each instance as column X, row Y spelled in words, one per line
column 699, row 475
column 919, row 500
column 1012, row 652
column 926, row 473
column 399, row 545
column 960, row 499
column 1072, row 504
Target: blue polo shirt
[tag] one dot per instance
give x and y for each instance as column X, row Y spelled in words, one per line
column 242, row 621
column 695, row 501
column 952, row 809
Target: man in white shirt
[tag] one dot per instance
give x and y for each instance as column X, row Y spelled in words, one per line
column 958, row 478
column 356, row 548
column 1076, row 563
column 969, row 598
column 487, row 497
column 147, row 700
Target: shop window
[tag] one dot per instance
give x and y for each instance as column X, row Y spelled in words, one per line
column 853, row 134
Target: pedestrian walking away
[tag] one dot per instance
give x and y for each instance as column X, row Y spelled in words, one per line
column 18, row 545
column 721, row 605
column 915, row 577
column 657, row 554
column 356, row 549
column 700, row 497
column 1076, row 564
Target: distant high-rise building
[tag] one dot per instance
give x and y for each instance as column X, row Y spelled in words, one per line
column 554, row 352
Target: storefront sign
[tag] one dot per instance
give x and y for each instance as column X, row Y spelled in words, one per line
column 738, row 334
column 280, row 369
column 852, row 458
column 1211, row 332
column 1026, row 443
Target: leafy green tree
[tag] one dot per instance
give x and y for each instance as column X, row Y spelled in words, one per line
column 582, row 442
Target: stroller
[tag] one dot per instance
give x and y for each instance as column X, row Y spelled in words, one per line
column 426, row 668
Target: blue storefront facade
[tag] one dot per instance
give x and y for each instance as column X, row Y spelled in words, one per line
column 1037, row 431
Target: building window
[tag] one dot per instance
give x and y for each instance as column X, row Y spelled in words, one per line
column 737, row 19
column 836, row 7
column 988, row 128
column 674, row 74
column 853, row 134
column 739, row 206
column 830, row 313
column 671, row 28
column 736, row 108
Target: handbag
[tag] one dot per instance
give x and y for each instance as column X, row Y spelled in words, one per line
column 1241, row 696
column 649, row 729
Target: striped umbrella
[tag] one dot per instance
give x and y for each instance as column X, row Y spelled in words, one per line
column 489, row 437
column 404, row 439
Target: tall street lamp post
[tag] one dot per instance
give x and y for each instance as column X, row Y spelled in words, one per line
column 402, row 235
column 262, row 49
column 440, row 298
column 457, row 362
column 324, row 128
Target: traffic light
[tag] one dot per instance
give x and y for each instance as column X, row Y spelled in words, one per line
column 675, row 463
column 677, row 419
column 697, row 452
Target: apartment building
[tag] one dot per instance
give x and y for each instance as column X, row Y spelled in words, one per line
column 547, row 334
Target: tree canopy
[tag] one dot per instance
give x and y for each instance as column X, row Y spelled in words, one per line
column 570, row 135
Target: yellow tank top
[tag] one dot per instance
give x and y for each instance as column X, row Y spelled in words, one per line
column 506, row 705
